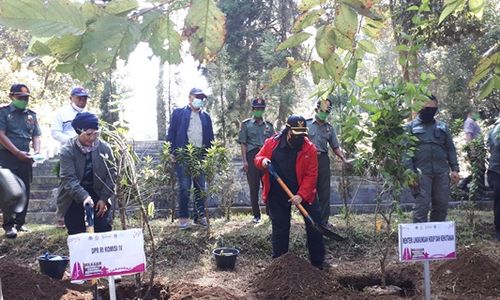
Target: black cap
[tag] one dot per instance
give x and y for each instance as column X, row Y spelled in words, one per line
column 258, row 103
column 198, row 93
column 297, row 125
column 17, row 90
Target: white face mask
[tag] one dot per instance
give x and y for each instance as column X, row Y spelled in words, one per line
column 78, row 109
column 198, row 103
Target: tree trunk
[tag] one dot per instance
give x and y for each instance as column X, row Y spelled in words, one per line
column 161, row 120
column 108, row 113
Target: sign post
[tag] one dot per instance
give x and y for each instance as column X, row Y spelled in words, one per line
column 106, row 254
column 426, row 242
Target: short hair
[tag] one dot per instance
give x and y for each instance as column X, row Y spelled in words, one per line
column 432, row 98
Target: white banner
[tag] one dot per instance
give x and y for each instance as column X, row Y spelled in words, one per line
column 95, row 255
column 427, row 241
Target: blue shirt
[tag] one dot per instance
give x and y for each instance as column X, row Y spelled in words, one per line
column 179, row 124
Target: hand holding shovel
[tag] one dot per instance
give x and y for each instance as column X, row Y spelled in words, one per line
column 318, row 227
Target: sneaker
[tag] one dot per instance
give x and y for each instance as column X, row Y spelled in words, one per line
column 202, row 222
column 22, row 228
column 256, row 220
column 183, row 223
column 11, row 233
column 60, row 224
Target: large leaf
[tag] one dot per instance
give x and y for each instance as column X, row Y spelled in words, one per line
column 107, row 38
column 39, row 48
column 363, row 7
column 307, row 19
column 306, row 5
column 372, row 28
column 204, row 27
column 343, row 41
column 335, row 67
column 368, row 46
column 450, row 7
column 166, row 41
column 293, row 41
column 76, row 70
column 346, row 21
column 318, row 71
column 487, row 87
column 64, row 47
column 43, row 18
column 117, row 7
column 484, row 67
column 477, row 7
column 277, row 75
column 325, row 42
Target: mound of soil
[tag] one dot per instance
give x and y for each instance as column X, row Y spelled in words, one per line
column 19, row 283
column 291, row 277
column 471, row 273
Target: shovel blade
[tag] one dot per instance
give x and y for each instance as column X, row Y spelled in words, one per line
column 328, row 233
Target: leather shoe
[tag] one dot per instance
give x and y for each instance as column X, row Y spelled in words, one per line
column 11, row 233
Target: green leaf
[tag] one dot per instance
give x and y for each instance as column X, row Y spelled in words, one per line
column 63, row 47
column 293, row 41
column 334, row 67
column 307, row 19
column 117, row 7
column 368, row 46
column 318, row 71
column 277, row 75
column 325, row 42
column 352, row 69
column 483, row 68
column 91, row 11
column 477, row 8
column 363, row 7
column 204, row 27
column 64, row 68
column 346, row 21
column 343, row 41
column 39, row 48
column 81, row 73
column 54, row 18
column 166, row 41
column 412, row 8
column 130, row 39
column 487, row 88
column 306, row 5
column 401, row 47
column 450, row 7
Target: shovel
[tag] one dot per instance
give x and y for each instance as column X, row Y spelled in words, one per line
column 89, row 227
column 318, row 227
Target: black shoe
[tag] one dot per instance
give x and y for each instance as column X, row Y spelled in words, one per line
column 22, row 228
column 11, row 233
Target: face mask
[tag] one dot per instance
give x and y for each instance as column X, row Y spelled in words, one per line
column 20, row 104
column 198, row 103
column 322, row 115
column 427, row 114
column 258, row 113
column 296, row 142
column 78, row 109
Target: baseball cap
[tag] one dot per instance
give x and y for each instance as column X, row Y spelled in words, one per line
column 17, row 89
column 297, row 125
column 79, row 91
column 197, row 92
column 258, row 103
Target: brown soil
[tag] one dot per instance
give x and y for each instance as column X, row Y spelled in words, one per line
column 291, row 277
column 472, row 273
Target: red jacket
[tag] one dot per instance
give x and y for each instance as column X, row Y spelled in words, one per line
column 306, row 168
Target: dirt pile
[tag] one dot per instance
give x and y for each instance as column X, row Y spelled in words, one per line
column 291, row 277
column 19, row 283
column 471, row 273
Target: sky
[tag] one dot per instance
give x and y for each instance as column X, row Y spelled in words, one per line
column 141, row 76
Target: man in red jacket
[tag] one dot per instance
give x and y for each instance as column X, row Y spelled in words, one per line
column 294, row 158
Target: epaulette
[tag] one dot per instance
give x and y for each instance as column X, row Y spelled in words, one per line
column 29, row 110
column 4, row 105
column 246, row 120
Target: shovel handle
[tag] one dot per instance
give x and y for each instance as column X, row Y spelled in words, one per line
column 89, row 218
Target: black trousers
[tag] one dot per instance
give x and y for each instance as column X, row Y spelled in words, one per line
column 494, row 181
column 74, row 219
column 323, row 187
column 254, row 176
column 280, row 212
column 24, row 171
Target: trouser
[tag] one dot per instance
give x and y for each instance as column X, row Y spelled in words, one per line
column 494, row 181
column 280, row 212
column 433, row 193
column 24, row 171
column 74, row 219
column 254, row 176
column 185, row 182
column 323, row 186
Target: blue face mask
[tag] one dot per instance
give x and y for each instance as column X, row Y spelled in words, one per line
column 198, row 103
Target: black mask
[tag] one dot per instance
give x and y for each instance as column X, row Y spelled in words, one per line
column 296, row 142
column 427, row 114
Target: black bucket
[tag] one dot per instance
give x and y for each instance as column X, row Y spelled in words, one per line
column 53, row 265
column 225, row 258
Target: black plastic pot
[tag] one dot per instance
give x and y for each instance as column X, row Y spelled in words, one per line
column 225, row 258
column 52, row 266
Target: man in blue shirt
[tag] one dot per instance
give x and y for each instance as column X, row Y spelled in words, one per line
column 190, row 125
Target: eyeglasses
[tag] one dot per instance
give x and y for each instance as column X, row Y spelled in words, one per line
column 90, row 134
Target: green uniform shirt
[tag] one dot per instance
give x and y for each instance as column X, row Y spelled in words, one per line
column 20, row 126
column 494, row 145
column 253, row 133
column 435, row 152
column 322, row 135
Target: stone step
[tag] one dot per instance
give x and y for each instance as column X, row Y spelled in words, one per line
column 43, row 194
column 45, row 181
column 37, row 205
column 40, row 218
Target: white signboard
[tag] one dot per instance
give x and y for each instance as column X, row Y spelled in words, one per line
column 427, row 241
column 95, row 255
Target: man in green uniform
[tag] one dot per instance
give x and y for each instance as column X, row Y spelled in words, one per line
column 323, row 136
column 18, row 127
column 253, row 132
column 494, row 173
column 434, row 157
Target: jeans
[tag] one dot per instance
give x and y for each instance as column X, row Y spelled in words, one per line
column 185, row 182
column 494, row 181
